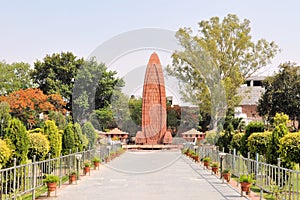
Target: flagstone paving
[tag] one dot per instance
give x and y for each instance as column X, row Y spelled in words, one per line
column 150, row 175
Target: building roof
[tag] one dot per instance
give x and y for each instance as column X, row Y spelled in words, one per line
column 250, row 95
column 192, row 131
column 115, row 131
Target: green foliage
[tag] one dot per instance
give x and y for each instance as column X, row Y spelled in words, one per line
column 236, row 140
column 252, row 127
column 54, row 138
column 18, row 139
column 14, row 77
column 221, row 50
column 104, row 117
column 90, row 133
column 4, row 117
column 282, row 94
column 225, row 139
column 96, row 159
column 258, row 143
column 94, row 88
column 215, row 164
column 246, row 178
column 51, row 179
column 68, row 140
column 290, row 147
column 59, row 118
column 55, row 74
column 5, row 153
column 80, row 141
column 38, row 146
column 211, row 137
column 279, row 131
column 206, row 159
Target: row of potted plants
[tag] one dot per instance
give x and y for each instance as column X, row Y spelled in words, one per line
column 192, row 154
column 215, row 168
column 245, row 179
column 113, row 154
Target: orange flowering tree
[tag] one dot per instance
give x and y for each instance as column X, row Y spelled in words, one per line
column 28, row 104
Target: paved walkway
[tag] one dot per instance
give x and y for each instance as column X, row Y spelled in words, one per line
column 149, row 176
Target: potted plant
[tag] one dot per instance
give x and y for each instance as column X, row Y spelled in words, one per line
column 215, row 167
column 206, row 161
column 226, row 174
column 196, row 157
column 72, row 177
column 246, row 181
column 96, row 162
column 51, row 181
column 107, row 158
column 87, row 167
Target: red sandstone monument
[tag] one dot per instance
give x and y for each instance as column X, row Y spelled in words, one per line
column 154, row 114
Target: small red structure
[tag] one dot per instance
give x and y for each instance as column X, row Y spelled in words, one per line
column 190, row 135
column 116, row 133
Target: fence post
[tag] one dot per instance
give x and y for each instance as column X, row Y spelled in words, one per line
column 233, row 160
column 70, row 161
column 257, row 165
column 33, row 177
column 278, row 173
column 248, row 163
column 49, row 161
column 60, row 170
column 15, row 177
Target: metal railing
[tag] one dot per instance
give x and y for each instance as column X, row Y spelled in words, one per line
column 281, row 182
column 27, row 178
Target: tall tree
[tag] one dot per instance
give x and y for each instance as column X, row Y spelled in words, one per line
column 28, row 104
column 54, row 137
column 68, row 140
column 93, row 89
column 216, row 61
column 14, row 77
column 55, row 74
column 4, row 116
column 18, row 139
column 89, row 131
column 282, row 94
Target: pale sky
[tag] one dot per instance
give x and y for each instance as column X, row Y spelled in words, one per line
column 31, row 29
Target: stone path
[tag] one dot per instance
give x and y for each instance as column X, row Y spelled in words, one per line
column 150, row 175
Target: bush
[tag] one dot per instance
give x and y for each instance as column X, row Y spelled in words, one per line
column 290, row 147
column 38, row 146
column 206, row 159
column 236, row 141
column 54, row 137
column 96, row 159
column 18, row 139
column 68, row 140
column 252, row 127
column 89, row 131
column 5, row 153
column 258, row 143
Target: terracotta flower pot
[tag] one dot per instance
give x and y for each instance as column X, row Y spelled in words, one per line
column 72, row 178
column 226, row 176
column 87, row 170
column 245, row 187
column 196, row 158
column 96, row 164
column 206, row 164
column 215, row 169
column 51, row 187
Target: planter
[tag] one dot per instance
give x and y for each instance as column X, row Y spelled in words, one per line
column 215, row 169
column 245, row 187
column 206, row 164
column 96, row 164
column 87, row 170
column 51, row 187
column 196, row 158
column 226, row 176
column 72, row 178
